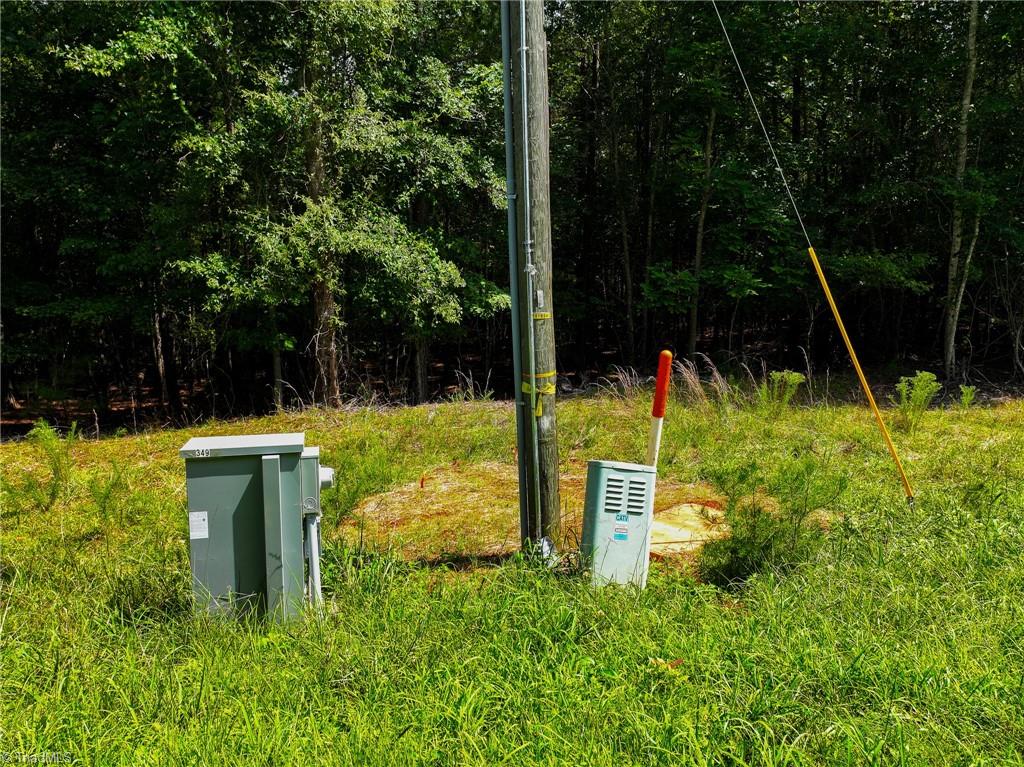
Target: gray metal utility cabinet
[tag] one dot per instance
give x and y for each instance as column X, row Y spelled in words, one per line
column 618, row 516
column 254, row 522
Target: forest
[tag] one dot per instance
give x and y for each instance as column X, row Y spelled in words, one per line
column 216, row 208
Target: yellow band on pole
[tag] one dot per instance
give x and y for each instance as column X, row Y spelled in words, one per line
column 907, row 489
column 538, row 409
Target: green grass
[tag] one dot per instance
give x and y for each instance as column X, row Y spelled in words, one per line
column 896, row 637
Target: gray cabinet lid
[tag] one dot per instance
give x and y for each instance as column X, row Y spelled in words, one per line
column 640, row 468
column 243, row 444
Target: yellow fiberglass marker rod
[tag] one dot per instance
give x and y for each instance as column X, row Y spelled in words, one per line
column 907, row 489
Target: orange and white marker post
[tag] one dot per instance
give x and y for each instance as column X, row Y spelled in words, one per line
column 658, row 411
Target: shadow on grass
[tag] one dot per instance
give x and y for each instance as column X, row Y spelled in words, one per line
column 465, row 562
column 150, row 595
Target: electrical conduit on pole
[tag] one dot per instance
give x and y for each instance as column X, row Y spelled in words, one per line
column 513, row 270
column 528, row 269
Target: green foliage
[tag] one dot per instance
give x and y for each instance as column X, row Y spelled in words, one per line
column 193, row 175
column 669, row 290
column 967, row 395
column 35, row 492
column 881, row 270
column 771, row 534
column 56, row 452
column 776, row 392
column 469, row 390
column 218, row 169
column 914, row 396
column 483, row 299
column 759, row 540
column 105, row 491
column 154, row 595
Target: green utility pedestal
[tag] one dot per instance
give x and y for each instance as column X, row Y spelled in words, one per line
column 254, row 522
column 617, row 517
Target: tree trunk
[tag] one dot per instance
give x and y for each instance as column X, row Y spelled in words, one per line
column 1018, row 347
column 166, row 366
column 796, row 105
column 698, row 249
column 278, row 377
column 732, row 327
column 964, row 270
column 327, row 389
column 419, row 219
column 1006, row 279
column 645, row 334
column 954, row 271
column 158, row 358
column 588, row 271
column 645, row 182
column 627, row 269
column 422, row 370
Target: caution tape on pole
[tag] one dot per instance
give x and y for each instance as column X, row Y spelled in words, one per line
column 539, row 389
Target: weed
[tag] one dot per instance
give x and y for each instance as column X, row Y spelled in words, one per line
column 759, row 539
column 103, row 491
column 915, row 395
column 720, row 387
column 468, row 390
column 774, row 393
column 967, row 394
column 625, row 381
column 772, row 535
column 56, row 454
column 149, row 594
column 691, row 388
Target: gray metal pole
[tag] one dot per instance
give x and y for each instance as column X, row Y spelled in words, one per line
column 523, row 444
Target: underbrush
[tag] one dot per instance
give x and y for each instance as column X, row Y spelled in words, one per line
column 772, row 532
column 835, row 624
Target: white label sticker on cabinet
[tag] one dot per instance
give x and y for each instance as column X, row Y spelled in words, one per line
column 198, row 525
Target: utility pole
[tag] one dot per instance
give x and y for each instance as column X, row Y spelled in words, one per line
column 527, row 100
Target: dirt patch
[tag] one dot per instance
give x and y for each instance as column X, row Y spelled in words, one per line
column 468, row 511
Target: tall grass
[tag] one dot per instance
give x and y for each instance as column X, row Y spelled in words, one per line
column 851, row 629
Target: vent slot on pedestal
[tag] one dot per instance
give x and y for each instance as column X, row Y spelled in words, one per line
column 636, row 496
column 614, row 494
